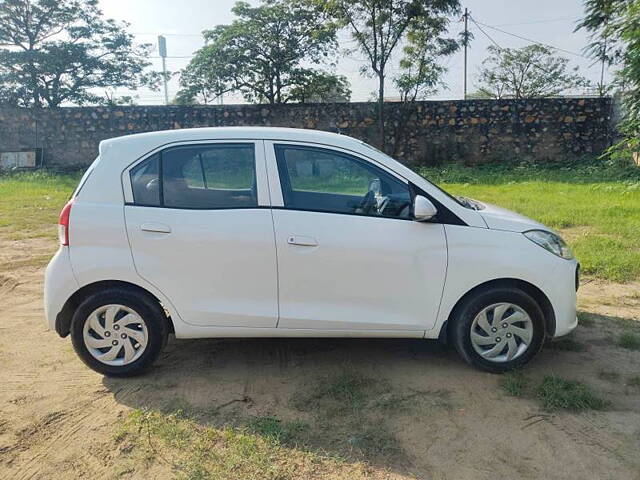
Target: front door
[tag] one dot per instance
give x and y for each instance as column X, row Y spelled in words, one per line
column 201, row 231
column 350, row 257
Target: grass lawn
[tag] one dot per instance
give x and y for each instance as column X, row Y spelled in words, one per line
column 596, row 208
column 30, row 203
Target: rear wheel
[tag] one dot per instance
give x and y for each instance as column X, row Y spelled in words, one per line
column 118, row 332
column 498, row 329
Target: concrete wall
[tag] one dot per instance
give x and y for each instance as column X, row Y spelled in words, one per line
column 436, row 132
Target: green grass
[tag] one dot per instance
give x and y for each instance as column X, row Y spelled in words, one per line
column 514, row 384
column 629, row 340
column 30, row 202
column 190, row 450
column 596, row 206
column 279, row 431
column 556, row 393
column 634, row 381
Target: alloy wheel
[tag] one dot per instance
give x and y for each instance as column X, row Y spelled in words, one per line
column 115, row 335
column 501, row 332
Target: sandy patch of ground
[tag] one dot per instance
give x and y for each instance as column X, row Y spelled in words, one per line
column 58, row 418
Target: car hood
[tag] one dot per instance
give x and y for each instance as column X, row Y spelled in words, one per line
column 498, row 218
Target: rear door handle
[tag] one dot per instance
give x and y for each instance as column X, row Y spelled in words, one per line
column 155, row 227
column 302, row 241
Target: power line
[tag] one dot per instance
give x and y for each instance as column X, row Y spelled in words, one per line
column 526, row 39
column 485, row 33
column 533, row 22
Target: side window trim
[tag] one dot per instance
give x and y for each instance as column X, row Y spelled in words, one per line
column 284, row 181
column 260, row 170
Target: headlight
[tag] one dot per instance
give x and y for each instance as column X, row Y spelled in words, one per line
column 550, row 241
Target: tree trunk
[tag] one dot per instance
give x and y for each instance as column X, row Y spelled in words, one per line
column 381, row 129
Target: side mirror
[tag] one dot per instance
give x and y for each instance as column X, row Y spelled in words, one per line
column 423, row 209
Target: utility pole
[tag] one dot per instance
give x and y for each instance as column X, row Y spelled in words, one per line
column 466, row 44
column 162, row 48
column 601, row 89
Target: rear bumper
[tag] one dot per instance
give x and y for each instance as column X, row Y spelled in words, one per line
column 59, row 285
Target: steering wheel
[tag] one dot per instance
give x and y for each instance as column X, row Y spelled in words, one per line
column 368, row 203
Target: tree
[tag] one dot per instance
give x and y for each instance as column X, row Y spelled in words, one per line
column 321, row 87
column 56, row 51
column 421, row 72
column 531, row 71
column 379, row 26
column 260, row 54
column 616, row 24
column 420, row 77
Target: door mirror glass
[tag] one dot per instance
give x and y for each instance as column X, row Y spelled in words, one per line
column 423, row 209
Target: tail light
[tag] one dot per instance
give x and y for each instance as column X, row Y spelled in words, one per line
column 63, row 224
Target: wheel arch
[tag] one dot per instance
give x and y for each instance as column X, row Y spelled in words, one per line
column 63, row 319
column 538, row 295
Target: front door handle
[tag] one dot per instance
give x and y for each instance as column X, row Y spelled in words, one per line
column 302, row 241
column 155, row 227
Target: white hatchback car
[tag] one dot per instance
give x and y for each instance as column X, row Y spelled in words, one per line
column 272, row 232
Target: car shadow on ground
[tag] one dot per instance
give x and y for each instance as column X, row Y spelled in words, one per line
column 408, row 406
column 343, row 397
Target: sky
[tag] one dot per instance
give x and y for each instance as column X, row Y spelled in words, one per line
column 551, row 22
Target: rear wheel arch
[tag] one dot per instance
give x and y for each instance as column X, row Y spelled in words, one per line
column 538, row 295
column 64, row 318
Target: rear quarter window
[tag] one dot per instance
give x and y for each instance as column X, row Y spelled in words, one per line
column 145, row 182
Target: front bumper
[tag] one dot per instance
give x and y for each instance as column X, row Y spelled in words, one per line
column 562, row 295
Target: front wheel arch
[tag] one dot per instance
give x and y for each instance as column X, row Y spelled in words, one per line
column 63, row 320
column 538, row 295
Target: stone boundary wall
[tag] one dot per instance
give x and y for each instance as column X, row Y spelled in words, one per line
column 426, row 133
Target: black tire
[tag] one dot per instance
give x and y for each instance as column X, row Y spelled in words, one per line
column 146, row 307
column 464, row 314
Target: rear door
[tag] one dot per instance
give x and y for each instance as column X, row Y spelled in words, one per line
column 201, row 231
column 350, row 257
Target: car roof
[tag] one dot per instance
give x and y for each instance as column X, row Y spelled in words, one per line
column 143, row 142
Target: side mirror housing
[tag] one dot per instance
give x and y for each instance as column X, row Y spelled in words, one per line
column 423, row 209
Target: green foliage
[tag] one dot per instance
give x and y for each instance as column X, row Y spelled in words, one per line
column 556, row 393
column 261, row 55
column 57, row 51
column 321, row 87
column 531, row 71
column 420, row 65
column 378, row 27
column 614, row 26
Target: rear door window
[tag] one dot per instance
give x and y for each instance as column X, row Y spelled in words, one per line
column 209, row 176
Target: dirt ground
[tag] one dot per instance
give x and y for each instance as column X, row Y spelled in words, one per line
column 58, row 418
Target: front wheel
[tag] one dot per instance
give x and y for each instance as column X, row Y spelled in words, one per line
column 118, row 332
column 498, row 329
